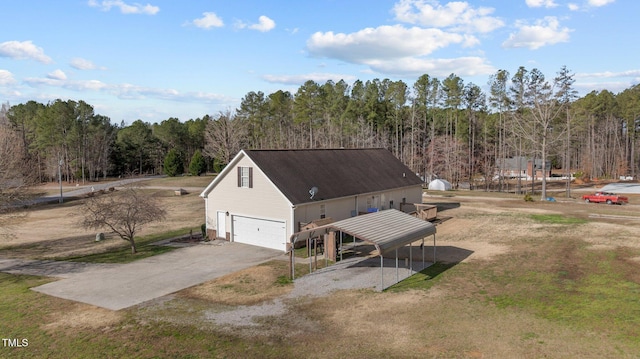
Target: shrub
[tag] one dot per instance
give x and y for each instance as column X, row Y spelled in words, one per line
column 203, row 229
column 528, row 198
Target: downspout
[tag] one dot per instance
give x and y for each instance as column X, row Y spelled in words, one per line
column 206, row 215
column 292, row 243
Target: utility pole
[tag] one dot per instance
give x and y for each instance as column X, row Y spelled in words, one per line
column 60, row 163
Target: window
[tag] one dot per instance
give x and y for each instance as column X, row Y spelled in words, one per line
column 323, row 212
column 245, row 177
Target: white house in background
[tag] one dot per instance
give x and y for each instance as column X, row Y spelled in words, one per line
column 264, row 196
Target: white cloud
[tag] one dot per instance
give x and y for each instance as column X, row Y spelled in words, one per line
column 83, row 64
column 609, row 74
column 23, row 50
column 123, row 91
column 456, row 15
column 399, row 51
column 541, row 3
column 264, row 24
column 81, row 86
column 599, row 3
column 612, row 86
column 125, row 8
column 302, row 78
column 6, row 78
column 57, row 75
column 412, row 66
column 544, row 32
column 384, row 42
column 208, row 20
column 589, row 4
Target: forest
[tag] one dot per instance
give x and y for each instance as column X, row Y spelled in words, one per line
column 438, row 127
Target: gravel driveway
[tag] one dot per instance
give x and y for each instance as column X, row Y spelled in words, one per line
column 352, row 273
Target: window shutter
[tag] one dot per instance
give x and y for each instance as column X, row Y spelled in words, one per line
column 250, row 177
column 239, row 176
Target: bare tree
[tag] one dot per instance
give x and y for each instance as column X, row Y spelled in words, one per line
column 224, row 137
column 123, row 212
column 16, row 174
column 538, row 123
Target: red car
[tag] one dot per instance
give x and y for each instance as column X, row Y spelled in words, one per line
column 605, row 197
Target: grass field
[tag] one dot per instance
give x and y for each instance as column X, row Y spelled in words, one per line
column 515, row 280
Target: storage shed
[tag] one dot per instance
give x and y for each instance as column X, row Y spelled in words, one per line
column 439, row 185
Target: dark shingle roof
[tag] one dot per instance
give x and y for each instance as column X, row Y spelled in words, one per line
column 335, row 172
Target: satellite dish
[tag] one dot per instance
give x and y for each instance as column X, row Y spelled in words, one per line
column 313, row 191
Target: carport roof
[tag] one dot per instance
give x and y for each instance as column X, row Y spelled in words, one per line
column 386, row 230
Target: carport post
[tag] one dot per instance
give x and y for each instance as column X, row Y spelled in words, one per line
column 410, row 258
column 434, row 248
column 422, row 246
column 341, row 246
column 381, row 273
column 293, row 258
column 309, row 252
column 397, row 276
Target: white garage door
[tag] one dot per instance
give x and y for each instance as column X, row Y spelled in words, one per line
column 259, row 232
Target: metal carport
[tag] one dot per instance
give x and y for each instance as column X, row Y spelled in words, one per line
column 386, row 230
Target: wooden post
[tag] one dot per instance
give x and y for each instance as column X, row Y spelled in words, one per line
column 330, row 246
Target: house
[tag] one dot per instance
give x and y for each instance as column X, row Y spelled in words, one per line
column 522, row 167
column 264, row 196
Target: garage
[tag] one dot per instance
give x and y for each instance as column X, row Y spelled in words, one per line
column 259, row 232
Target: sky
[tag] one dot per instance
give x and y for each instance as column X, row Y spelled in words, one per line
column 157, row 59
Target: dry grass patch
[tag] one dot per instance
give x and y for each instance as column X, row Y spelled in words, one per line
column 416, row 324
column 247, row 287
column 81, row 316
column 53, row 231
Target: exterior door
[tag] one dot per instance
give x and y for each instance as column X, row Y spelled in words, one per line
column 221, row 225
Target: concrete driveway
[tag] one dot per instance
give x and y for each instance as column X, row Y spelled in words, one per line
column 121, row 286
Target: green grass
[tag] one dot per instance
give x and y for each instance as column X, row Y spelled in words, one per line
column 557, row 219
column 144, row 245
column 424, row 279
column 591, row 290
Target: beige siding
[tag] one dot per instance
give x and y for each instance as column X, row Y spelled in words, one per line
column 265, row 201
column 342, row 208
column 261, row 201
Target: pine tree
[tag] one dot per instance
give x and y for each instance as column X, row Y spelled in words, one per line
column 173, row 164
column 197, row 166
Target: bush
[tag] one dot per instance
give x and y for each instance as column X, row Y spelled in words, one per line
column 203, row 229
column 528, row 198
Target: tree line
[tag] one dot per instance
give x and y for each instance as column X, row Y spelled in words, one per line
column 445, row 128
